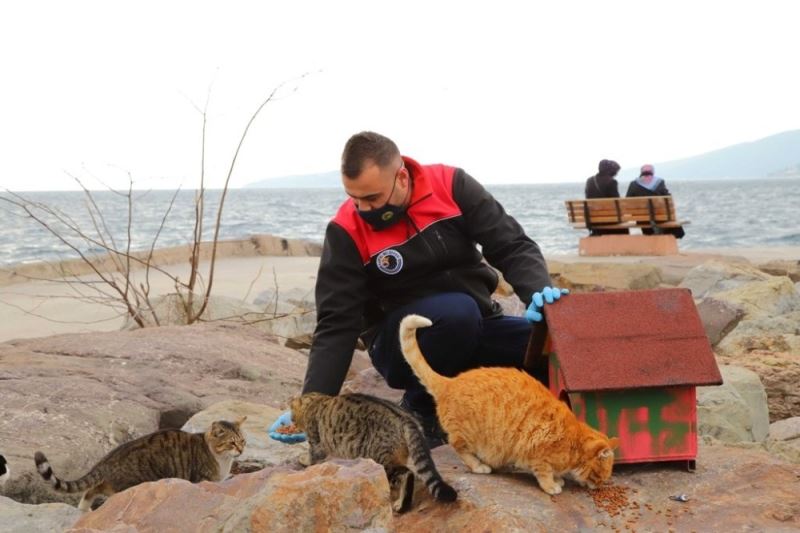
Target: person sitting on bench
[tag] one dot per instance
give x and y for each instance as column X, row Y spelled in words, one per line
column 648, row 184
column 603, row 185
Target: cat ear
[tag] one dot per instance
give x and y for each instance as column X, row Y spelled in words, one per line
column 613, row 442
column 240, row 421
column 606, row 453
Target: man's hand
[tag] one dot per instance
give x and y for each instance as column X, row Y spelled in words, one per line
column 288, row 438
column 547, row 295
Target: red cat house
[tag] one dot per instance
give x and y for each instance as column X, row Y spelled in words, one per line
column 627, row 363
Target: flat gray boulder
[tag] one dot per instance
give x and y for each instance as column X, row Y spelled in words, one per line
column 717, row 276
column 735, row 411
column 18, row 517
column 75, row 397
column 354, row 496
column 780, row 374
column 586, row 277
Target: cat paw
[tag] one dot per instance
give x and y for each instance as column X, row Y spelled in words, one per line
column 482, row 469
column 553, row 490
column 560, row 481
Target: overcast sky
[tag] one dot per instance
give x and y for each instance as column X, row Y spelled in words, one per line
column 513, row 92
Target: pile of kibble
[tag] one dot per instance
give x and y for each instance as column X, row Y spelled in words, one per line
column 613, row 499
column 625, row 511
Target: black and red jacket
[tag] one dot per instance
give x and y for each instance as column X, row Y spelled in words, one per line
column 365, row 274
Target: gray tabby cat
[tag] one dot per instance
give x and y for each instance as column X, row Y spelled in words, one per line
column 169, row 453
column 356, row 425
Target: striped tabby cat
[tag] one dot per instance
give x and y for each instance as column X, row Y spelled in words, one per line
column 496, row 417
column 356, row 425
column 170, row 453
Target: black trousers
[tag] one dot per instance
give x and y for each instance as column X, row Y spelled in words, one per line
column 459, row 339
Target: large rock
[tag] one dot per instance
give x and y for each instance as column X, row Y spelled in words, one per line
column 771, row 320
column 170, row 310
column 767, row 298
column 23, row 518
column 294, row 330
column 583, row 277
column 285, row 301
column 733, row 489
column 354, row 495
column 735, row 411
column 780, row 374
column 75, row 397
column 784, row 439
column 289, row 323
column 719, row 318
column 514, row 502
column 334, row 496
column 717, row 276
column 766, row 333
column 787, row 429
column 369, row 381
column 782, row 267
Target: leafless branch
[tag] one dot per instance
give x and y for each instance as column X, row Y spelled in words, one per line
column 253, row 282
column 114, row 285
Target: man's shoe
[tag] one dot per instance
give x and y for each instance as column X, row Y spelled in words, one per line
column 434, row 434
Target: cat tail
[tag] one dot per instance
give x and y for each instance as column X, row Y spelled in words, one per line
column 410, row 348
column 422, row 465
column 43, row 467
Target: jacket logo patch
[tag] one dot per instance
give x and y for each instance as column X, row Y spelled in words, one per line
column 389, row 262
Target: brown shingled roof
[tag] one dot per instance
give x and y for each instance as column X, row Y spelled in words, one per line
column 630, row 339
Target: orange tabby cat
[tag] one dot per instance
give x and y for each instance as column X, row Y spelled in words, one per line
column 497, row 417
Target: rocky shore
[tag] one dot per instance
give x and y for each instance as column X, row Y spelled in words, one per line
column 78, row 394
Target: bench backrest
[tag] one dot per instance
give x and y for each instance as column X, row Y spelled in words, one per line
column 598, row 211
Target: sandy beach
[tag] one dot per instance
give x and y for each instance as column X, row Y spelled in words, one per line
column 42, row 308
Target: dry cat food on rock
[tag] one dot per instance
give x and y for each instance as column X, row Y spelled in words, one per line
column 613, row 499
column 288, row 430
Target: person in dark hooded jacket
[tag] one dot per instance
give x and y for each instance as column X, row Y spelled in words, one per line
column 604, row 185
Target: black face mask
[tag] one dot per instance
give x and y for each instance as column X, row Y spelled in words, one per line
column 385, row 216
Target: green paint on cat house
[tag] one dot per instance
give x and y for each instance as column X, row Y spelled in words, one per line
column 628, row 363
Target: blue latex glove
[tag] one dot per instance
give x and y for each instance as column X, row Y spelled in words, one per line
column 284, row 420
column 547, row 295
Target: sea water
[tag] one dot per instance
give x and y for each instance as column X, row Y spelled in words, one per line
column 723, row 213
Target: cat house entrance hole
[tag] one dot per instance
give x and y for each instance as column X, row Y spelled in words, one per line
column 174, row 418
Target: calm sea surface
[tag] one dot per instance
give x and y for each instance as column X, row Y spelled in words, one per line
column 735, row 213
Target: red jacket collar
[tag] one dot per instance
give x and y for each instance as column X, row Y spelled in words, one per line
column 422, row 186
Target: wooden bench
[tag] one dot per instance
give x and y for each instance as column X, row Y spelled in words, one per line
column 654, row 214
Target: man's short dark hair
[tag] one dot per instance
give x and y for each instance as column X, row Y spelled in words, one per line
column 367, row 146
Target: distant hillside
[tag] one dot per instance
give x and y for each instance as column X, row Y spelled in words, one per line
column 302, row 181
column 792, row 171
column 776, row 155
